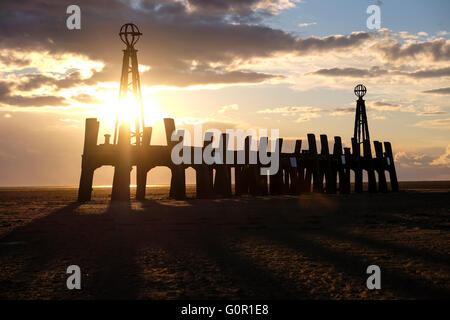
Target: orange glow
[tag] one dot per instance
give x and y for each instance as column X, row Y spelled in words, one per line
column 128, row 110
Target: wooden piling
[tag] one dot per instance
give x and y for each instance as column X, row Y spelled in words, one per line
column 391, row 166
column 88, row 163
column 380, row 166
column 121, row 180
column 141, row 167
column 356, row 165
column 368, row 163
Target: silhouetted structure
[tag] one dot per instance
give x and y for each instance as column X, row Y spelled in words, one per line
column 299, row 172
column 361, row 133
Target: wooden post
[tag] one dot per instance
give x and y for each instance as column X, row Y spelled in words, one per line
column 276, row 180
column 339, row 164
column 204, row 173
column 178, row 179
column 240, row 185
column 369, row 166
column 294, row 169
column 317, row 183
column 391, row 166
column 347, row 169
column 222, row 183
column 308, row 170
column 88, row 164
column 380, row 166
column 122, row 168
column 141, row 168
column 327, row 165
column 260, row 180
column 356, row 164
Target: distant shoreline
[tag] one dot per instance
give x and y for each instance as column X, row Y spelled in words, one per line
column 405, row 182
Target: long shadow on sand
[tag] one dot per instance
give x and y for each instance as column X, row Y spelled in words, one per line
column 108, row 245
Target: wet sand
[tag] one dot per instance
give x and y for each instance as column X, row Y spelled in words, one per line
column 312, row 246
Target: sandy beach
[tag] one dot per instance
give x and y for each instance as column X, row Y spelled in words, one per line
column 311, row 246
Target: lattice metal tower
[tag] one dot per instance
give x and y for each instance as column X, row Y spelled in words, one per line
column 361, row 133
column 130, row 82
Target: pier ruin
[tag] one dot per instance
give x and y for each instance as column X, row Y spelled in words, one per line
column 300, row 171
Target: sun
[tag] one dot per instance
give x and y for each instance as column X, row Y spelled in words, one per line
column 128, row 110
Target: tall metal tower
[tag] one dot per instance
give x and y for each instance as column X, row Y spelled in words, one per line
column 129, row 81
column 361, row 133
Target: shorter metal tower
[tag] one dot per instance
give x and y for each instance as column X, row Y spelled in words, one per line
column 361, row 132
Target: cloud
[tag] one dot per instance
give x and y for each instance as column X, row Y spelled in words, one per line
column 240, row 7
column 436, row 50
column 387, row 106
column 228, row 108
column 343, row 111
column 408, row 159
column 173, row 33
column 289, row 110
column 350, row 72
column 379, row 72
column 41, row 100
column 430, row 73
column 422, row 160
column 9, row 60
column 443, row 160
column 303, row 25
column 431, row 111
column 307, row 117
column 86, row 98
column 34, row 101
column 29, row 82
column 439, row 124
column 443, row 91
column 307, row 113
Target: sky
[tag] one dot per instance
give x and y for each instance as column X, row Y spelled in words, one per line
column 288, row 65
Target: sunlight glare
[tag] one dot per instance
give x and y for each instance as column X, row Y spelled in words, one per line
column 127, row 109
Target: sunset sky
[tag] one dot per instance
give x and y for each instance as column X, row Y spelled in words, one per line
column 283, row 64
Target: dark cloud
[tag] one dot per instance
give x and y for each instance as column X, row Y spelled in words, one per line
column 174, row 35
column 86, row 98
column 432, row 113
column 4, row 89
column 6, row 98
column 385, row 104
column 34, row 101
column 162, row 76
column 10, row 60
column 443, row 91
column 431, row 73
column 35, row 81
column 437, row 50
column 350, row 72
column 344, row 110
column 378, row 72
